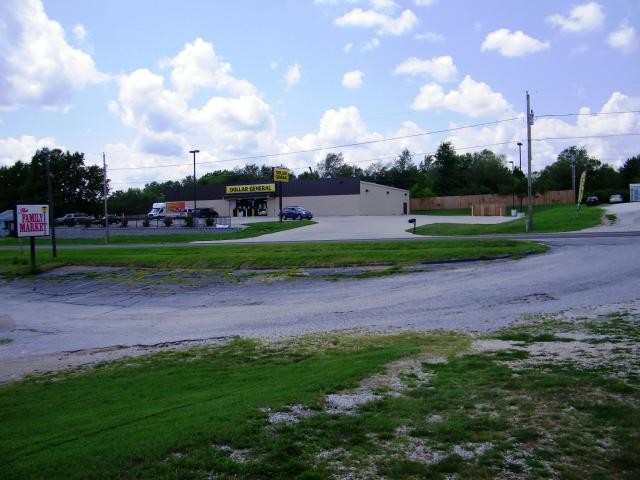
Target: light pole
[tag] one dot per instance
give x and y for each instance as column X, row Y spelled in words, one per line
column 194, row 177
column 513, row 191
column 520, row 168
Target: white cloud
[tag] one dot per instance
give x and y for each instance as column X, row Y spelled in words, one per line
column 582, row 18
column 425, row 3
column 612, row 150
column 37, row 65
column 198, row 66
column 370, row 45
column 80, row 32
column 383, row 4
column 624, row 38
column 293, row 75
column 345, row 125
column 238, row 123
column 22, row 149
column 384, row 24
column 348, row 47
column 441, row 69
column 432, row 37
column 516, row 44
column 352, row 79
column 475, row 99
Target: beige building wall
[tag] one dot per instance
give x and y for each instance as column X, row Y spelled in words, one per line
column 382, row 200
column 338, row 205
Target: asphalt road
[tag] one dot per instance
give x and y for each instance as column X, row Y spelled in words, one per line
column 46, row 317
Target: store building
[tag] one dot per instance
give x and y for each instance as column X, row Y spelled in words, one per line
column 330, row 196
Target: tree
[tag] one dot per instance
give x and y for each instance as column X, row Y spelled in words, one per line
column 446, row 170
column 557, row 176
column 75, row 186
column 334, row 166
column 630, row 171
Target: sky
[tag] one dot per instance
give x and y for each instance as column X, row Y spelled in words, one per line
column 285, row 82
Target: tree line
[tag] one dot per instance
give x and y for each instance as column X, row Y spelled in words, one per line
column 78, row 187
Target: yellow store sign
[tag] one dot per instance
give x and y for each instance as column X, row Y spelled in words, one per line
column 261, row 188
column 280, row 175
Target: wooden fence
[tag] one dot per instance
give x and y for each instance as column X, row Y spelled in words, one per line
column 560, row 197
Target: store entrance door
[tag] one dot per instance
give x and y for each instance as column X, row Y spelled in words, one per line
column 250, row 207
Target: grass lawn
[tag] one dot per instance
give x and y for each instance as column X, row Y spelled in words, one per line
column 233, row 256
column 252, row 230
column 473, row 414
column 560, row 218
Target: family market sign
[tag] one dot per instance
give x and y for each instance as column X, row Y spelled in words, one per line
column 32, row 220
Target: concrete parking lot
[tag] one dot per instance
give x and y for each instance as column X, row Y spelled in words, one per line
column 361, row 227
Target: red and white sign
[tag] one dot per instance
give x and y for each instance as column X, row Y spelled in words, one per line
column 32, row 220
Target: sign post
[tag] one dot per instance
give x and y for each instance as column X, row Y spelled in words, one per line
column 32, row 221
column 280, row 175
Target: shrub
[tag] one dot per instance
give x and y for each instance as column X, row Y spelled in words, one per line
column 208, row 222
column 168, row 221
column 146, row 222
column 125, row 223
column 188, row 221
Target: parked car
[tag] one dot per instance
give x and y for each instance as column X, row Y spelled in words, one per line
column 297, row 213
column 592, row 200
column 77, row 218
column 203, row 213
column 111, row 218
column 616, row 198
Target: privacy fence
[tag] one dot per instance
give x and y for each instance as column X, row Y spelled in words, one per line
column 491, row 202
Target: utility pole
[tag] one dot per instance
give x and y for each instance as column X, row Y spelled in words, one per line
column 573, row 176
column 520, row 152
column 52, row 220
column 194, row 178
column 529, row 186
column 104, row 194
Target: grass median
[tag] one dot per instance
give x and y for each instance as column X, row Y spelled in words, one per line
column 294, row 255
column 559, row 218
column 171, row 235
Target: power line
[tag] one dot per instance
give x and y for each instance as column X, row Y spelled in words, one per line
column 332, row 147
column 587, row 136
column 585, row 114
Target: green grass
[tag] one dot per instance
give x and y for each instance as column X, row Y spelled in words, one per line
column 447, row 211
column 560, row 218
column 128, row 419
column 252, row 230
column 235, row 256
column 179, row 415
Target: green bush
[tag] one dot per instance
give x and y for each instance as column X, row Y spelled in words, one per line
column 208, row 222
column 146, row 222
column 125, row 223
column 188, row 222
column 168, row 221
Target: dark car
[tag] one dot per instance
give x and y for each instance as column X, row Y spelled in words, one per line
column 203, row 213
column 297, row 213
column 77, row 218
column 111, row 218
column 592, row 200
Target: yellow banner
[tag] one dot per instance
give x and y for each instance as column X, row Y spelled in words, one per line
column 280, row 175
column 583, row 179
column 264, row 187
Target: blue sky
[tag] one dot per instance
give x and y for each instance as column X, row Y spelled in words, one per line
column 147, row 81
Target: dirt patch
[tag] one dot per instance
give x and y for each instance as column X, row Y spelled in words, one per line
column 19, row 368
